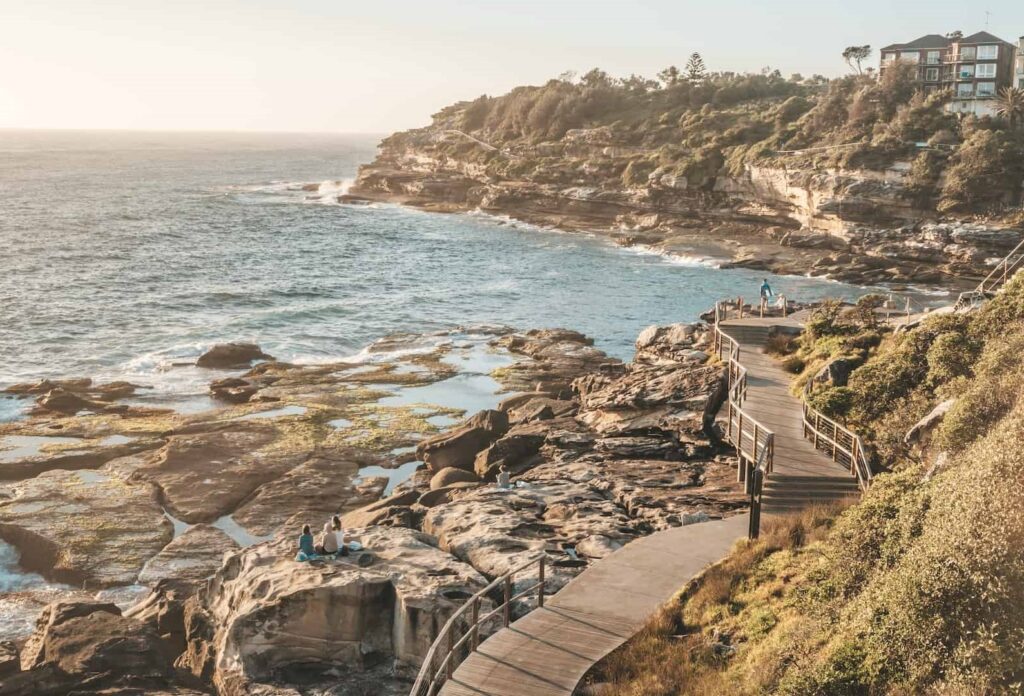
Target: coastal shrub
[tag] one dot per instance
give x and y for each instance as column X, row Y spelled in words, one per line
column 781, row 344
column 985, row 173
column 834, row 402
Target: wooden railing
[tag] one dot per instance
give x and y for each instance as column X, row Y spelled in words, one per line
column 995, row 280
column 843, row 444
column 755, row 444
column 765, row 308
column 439, row 666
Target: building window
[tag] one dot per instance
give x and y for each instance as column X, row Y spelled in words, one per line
column 911, row 56
column 988, row 52
column 966, row 53
column 986, row 89
column 986, row 70
column 932, row 57
column 965, row 72
column 931, row 75
column 965, row 89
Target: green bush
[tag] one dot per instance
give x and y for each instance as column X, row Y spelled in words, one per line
column 834, row 402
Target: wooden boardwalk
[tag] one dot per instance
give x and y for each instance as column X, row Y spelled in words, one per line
column 548, row 651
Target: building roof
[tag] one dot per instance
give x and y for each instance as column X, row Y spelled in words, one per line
column 926, row 41
column 981, row 37
column 940, row 41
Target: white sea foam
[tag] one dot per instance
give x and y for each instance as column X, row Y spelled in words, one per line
column 676, row 258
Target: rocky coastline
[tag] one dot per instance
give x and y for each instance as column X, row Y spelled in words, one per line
column 857, row 226
column 170, row 537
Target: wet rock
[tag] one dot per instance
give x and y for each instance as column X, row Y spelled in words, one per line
column 233, row 390
column 446, row 477
column 557, row 357
column 190, row 558
column 68, row 403
column 457, row 448
column 232, row 356
column 83, row 527
column 264, row 612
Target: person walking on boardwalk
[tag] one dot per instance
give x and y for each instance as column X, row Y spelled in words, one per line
column 766, row 294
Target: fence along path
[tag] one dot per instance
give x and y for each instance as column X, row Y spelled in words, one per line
column 548, row 651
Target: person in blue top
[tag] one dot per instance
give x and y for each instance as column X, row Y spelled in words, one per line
column 766, row 294
column 306, row 541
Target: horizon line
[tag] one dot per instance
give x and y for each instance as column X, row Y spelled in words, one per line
column 219, row 131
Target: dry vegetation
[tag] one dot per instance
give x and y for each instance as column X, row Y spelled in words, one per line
column 697, row 129
column 918, row 588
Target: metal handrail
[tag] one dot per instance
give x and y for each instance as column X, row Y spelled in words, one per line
column 995, row 280
column 755, row 443
column 430, row 677
column 845, row 446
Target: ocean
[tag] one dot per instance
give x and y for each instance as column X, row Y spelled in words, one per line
column 124, row 254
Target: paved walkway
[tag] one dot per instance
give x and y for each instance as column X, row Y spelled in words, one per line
column 548, row 651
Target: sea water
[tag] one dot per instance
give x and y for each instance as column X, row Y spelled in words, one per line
column 125, row 255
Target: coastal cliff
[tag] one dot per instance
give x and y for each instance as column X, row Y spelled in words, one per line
column 755, row 177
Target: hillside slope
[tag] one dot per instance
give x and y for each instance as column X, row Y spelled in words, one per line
column 916, row 588
column 773, row 173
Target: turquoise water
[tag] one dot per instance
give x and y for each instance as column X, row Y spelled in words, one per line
column 127, row 254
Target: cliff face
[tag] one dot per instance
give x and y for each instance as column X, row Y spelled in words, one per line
column 851, row 224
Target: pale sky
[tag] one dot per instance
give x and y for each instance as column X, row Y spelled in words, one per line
column 342, row 66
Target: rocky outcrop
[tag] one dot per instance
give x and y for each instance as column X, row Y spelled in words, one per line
column 92, row 528
column 188, row 559
column 91, row 648
column 264, row 612
column 457, row 449
column 226, row 356
column 781, row 218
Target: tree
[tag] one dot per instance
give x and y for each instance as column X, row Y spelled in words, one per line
column 596, row 78
column 669, row 76
column 855, row 55
column 1010, row 104
column 695, row 70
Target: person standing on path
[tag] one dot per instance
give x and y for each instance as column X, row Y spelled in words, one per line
column 766, row 294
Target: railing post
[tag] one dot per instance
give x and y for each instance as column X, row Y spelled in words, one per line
column 754, row 528
column 450, row 663
column 540, row 585
column 508, row 600
column 474, row 639
column 835, row 441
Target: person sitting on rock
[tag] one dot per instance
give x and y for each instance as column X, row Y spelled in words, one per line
column 333, row 538
column 503, row 477
column 306, row 541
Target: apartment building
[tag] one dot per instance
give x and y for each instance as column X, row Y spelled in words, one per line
column 1020, row 63
column 974, row 67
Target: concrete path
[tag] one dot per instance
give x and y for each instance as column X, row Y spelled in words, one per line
column 548, row 651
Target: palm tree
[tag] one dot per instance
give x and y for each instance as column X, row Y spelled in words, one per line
column 1010, row 104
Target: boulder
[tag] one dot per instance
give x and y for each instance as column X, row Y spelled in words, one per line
column 457, row 448
column 837, row 371
column 10, row 659
column 446, row 477
column 923, row 429
column 232, row 356
column 68, row 403
column 92, row 645
column 233, row 390
column 263, row 612
column 378, row 513
column 439, row 496
column 518, row 444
